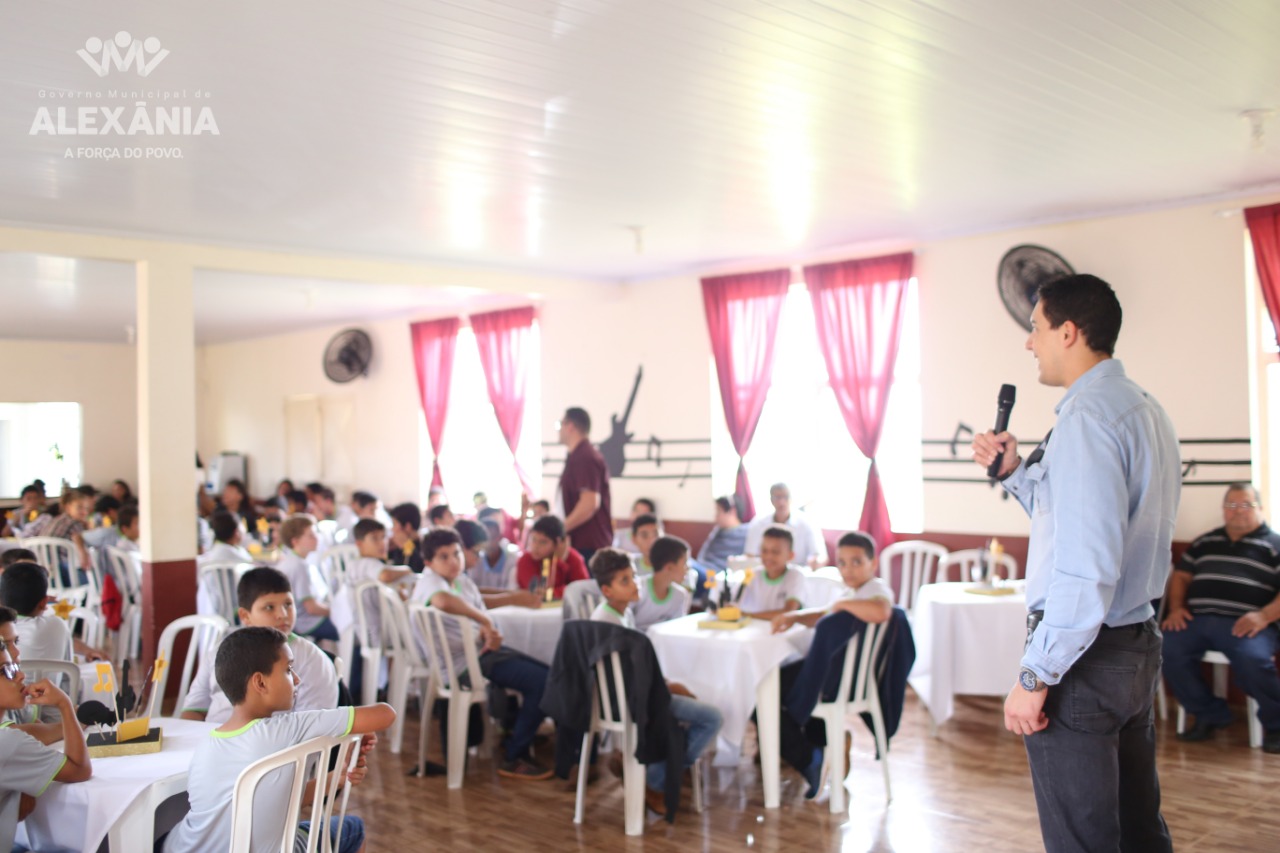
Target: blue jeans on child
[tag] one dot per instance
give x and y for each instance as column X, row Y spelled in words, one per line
column 702, row 723
column 352, row 833
column 515, row 671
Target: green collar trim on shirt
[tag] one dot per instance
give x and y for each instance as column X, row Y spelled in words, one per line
column 293, row 638
column 238, row 731
column 653, row 594
column 609, row 607
column 4, row 724
column 765, row 575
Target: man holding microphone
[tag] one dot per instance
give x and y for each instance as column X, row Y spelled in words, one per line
column 1102, row 492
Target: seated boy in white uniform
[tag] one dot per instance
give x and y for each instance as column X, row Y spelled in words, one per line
column 778, row 586
column 298, row 536
column 662, row 594
column 266, row 601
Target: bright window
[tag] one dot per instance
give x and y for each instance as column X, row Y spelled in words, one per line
column 39, row 441
column 802, row 439
column 1264, row 384
column 475, row 456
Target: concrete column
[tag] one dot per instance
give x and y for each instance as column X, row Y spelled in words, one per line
column 166, row 443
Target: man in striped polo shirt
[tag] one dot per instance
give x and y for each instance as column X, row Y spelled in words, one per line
column 1225, row 596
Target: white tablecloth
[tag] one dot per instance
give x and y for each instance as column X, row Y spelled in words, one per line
column 966, row 644
column 124, row 790
column 534, row 632
column 724, row 668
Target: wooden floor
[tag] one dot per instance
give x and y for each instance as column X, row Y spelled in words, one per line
column 966, row 790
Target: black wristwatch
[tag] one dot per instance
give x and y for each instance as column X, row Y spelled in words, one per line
column 1030, row 681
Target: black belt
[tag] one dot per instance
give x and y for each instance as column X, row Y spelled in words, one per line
column 1034, row 617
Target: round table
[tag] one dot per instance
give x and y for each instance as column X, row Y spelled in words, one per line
column 967, row 643
column 534, row 632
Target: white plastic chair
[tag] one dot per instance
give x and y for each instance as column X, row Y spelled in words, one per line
column 326, row 802
column 366, row 597
column 1220, row 665
column 127, row 571
column 54, row 554
column 822, row 591
column 965, row 561
column 615, row 720
column 334, row 564
column 580, row 599
column 93, row 627
column 857, row 680
column 206, row 633
column 429, row 624
column 36, row 669
column 918, row 563
column 405, row 659
column 216, row 593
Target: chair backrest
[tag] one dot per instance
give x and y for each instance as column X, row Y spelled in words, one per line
column 91, row 625
column 964, row 562
column 822, row 591
column 37, row 668
column 610, row 709
column 334, row 564
column 433, row 626
column 58, row 555
column 206, row 633
column 580, row 599
column 917, row 564
column 857, row 678
column 288, row 770
column 217, row 586
column 397, row 636
column 127, row 572
column 365, row 600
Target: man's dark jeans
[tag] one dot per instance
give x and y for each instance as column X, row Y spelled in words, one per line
column 1094, row 767
column 1253, row 667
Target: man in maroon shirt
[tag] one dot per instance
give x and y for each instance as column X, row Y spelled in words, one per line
column 584, row 487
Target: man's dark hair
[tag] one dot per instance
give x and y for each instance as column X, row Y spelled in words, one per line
column 127, row 515
column 667, row 550
column 579, row 418
column 407, row 514
column 105, row 504
column 1087, row 301
column 1244, row 487
column 17, row 555
column 729, row 503
column 472, row 533
column 363, row 499
column 607, row 563
column 365, row 527
column 650, row 506
column 642, row 520
column 441, row 537
column 437, row 512
column 550, row 526
column 24, row 587
column 224, row 525
column 544, row 505
column 244, row 653
column 858, row 539
column 258, row 582
column 777, row 531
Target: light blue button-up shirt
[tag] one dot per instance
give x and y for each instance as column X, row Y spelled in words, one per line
column 1103, row 501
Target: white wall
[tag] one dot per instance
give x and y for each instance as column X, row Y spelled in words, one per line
column 102, row 378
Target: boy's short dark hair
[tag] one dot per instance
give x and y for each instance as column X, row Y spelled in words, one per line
column 441, row 537
column 472, row 533
column 31, row 489
column 363, row 499
column 437, row 512
column 729, row 503
column 24, row 587
column 858, row 539
column 244, row 653
column 326, row 493
column 293, row 527
column 224, row 525
column 297, row 497
column 488, row 512
column 651, row 507
column 105, row 504
column 545, row 506
column 492, row 527
column 127, row 515
column 579, row 418
column 366, row 527
column 313, row 488
column 260, row 581
column 407, row 514
column 607, row 563
column 1087, row 301
column 550, row 526
column 70, row 496
column 7, row 615
column 777, row 531
column 16, row 555
column 667, row 550
column 643, row 520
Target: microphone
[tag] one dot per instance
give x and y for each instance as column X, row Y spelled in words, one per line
column 1003, row 407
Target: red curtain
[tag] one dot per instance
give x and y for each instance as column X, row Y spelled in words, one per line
column 858, row 307
column 434, row 342
column 742, row 318
column 1264, row 231
column 504, row 339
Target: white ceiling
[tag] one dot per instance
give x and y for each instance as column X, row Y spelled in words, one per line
column 530, row 135
column 72, row 299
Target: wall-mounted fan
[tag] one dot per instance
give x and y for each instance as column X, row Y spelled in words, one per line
column 347, row 355
column 1022, row 270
